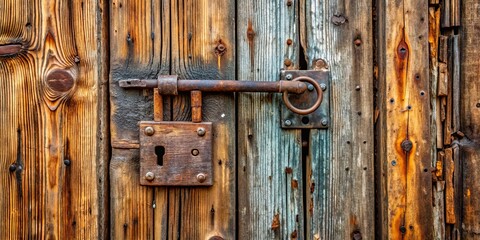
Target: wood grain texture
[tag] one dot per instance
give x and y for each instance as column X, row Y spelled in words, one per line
column 470, row 117
column 269, row 158
column 139, row 48
column 53, row 125
column 406, row 180
column 203, row 47
column 340, row 175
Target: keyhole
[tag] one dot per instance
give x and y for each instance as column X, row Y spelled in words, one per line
column 160, row 151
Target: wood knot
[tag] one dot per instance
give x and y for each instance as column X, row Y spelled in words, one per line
column 10, row 49
column 60, row 80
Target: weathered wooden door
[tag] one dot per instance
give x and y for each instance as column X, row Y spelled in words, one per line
column 269, row 182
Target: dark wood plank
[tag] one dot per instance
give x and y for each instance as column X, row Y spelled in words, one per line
column 139, row 48
column 340, row 173
column 269, row 158
column 406, row 181
column 470, row 117
column 203, row 47
column 53, row 161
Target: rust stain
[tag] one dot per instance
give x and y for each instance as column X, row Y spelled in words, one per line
column 294, row 234
column 276, row 222
column 312, row 187
column 288, row 170
column 310, row 207
column 294, row 184
column 250, row 37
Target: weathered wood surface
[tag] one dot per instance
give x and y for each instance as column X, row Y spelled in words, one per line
column 171, row 37
column 470, row 117
column 139, row 48
column 203, row 47
column 340, row 184
column 269, row 158
column 53, row 112
column 405, row 174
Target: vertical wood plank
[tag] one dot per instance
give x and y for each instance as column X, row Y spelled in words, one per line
column 269, row 158
column 203, row 47
column 470, row 117
column 52, row 65
column 140, row 48
column 406, row 185
column 341, row 180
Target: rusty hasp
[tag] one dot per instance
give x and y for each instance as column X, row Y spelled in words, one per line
column 171, row 85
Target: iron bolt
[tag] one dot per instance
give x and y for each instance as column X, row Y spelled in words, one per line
column 201, row 177
column 195, row 152
column 357, row 88
column 66, row 162
column 323, row 86
column 310, row 87
column 288, row 122
column 149, row 131
column 394, row 163
column 407, row 145
column 289, row 77
column 324, row 122
column 289, row 2
column 357, row 42
column 201, row 131
column 12, row 167
column 403, row 229
column 150, row 176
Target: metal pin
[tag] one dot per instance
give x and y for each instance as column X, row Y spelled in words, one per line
column 149, row 131
column 150, row 176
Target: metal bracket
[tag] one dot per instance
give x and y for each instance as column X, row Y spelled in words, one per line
column 320, row 118
column 176, row 154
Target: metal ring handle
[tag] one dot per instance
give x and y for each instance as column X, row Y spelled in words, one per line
column 310, row 109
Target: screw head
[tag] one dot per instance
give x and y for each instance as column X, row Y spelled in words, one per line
column 289, row 77
column 324, row 122
column 323, row 86
column 150, row 176
column 310, row 87
column 201, row 131
column 12, row 167
column 201, row 177
column 195, row 152
column 149, row 131
column 407, row 145
column 287, row 122
column 357, row 88
column 394, row 163
column 67, row 162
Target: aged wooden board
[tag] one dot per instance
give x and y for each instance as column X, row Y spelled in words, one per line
column 139, row 48
column 269, row 159
column 340, row 184
column 53, row 105
column 470, row 117
column 404, row 142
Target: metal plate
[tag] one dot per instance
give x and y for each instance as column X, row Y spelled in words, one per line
column 175, row 154
column 318, row 119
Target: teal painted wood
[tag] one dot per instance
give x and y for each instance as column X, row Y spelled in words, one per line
column 269, row 158
column 341, row 197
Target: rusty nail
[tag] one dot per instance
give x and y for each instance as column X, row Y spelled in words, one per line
column 324, row 122
column 407, row 145
column 288, row 122
column 289, row 2
column 287, row 62
column 357, row 42
column 478, row 105
column 310, row 87
column 289, row 77
column 403, row 229
column 201, row 177
column 357, row 88
column 323, row 86
column 201, row 131
column 195, row 152
column 12, row 167
column 394, row 163
column 150, row 176
column 221, row 47
column 67, row 162
column 289, row 41
column 149, row 131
